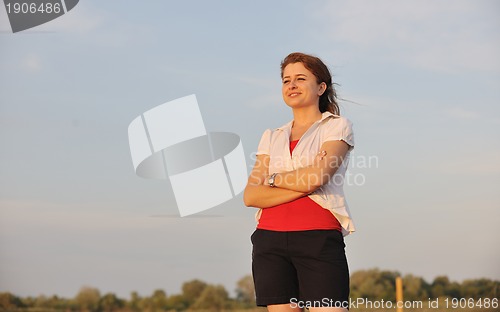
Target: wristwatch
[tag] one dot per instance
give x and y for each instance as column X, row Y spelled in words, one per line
column 271, row 179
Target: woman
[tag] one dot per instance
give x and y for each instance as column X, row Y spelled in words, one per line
column 298, row 257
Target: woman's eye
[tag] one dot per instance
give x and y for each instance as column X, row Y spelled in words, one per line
column 286, row 81
column 301, row 78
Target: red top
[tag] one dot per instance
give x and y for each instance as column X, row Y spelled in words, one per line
column 301, row 214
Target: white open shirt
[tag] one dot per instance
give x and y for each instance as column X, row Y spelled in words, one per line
column 276, row 144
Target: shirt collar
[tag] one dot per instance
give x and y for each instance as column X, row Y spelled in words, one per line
column 324, row 116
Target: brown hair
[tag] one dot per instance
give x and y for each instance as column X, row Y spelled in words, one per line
column 328, row 100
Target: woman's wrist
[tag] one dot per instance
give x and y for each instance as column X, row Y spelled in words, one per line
column 271, row 180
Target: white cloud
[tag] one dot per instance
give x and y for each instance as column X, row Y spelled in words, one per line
column 435, row 35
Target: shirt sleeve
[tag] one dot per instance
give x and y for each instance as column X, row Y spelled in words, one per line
column 265, row 143
column 339, row 129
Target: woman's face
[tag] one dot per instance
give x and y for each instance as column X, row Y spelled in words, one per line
column 299, row 87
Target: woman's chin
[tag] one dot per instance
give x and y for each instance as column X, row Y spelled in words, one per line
column 298, row 104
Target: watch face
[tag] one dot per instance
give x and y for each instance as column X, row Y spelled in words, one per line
column 271, row 180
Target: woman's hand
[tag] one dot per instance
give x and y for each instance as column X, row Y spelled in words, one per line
column 259, row 194
column 320, row 155
column 308, row 179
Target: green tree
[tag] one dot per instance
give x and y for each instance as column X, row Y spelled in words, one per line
column 110, row 302
column 415, row 288
column 373, row 284
column 177, row 302
column 146, row 304
column 213, row 297
column 159, row 300
column 439, row 286
column 10, row 302
column 41, row 302
column 454, row 290
column 134, row 302
column 245, row 291
column 88, row 299
column 192, row 290
column 28, row 302
column 480, row 288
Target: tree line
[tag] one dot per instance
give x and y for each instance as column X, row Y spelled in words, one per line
column 373, row 284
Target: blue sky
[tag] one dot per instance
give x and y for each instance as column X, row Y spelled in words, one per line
column 422, row 80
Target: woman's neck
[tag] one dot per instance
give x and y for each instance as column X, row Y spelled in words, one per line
column 305, row 116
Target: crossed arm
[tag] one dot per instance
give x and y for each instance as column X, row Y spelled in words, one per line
column 294, row 184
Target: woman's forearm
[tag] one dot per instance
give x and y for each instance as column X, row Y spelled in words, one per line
column 305, row 180
column 263, row 196
column 308, row 179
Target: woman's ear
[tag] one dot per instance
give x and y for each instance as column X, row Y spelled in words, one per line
column 322, row 88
